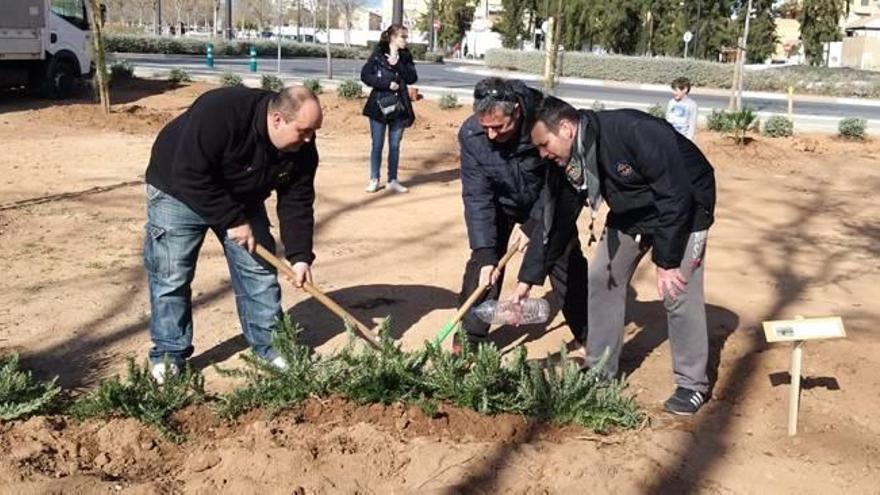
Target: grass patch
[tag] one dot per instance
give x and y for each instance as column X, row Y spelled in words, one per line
column 140, row 397
column 20, row 394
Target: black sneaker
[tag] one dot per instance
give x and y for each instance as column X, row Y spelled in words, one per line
column 685, row 402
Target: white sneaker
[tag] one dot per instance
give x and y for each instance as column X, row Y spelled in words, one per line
column 280, row 363
column 396, row 187
column 373, row 186
column 159, row 372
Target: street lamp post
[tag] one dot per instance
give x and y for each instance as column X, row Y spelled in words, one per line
column 397, row 12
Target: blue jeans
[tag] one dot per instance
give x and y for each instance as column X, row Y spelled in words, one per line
column 377, row 132
column 174, row 235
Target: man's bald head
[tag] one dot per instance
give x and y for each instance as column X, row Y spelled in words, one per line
column 293, row 116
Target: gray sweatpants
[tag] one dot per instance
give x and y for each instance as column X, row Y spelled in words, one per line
column 617, row 257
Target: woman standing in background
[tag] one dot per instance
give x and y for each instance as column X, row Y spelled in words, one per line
column 388, row 71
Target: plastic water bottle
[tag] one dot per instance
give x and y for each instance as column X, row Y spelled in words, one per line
column 525, row 312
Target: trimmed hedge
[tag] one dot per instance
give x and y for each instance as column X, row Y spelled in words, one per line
column 662, row 70
column 189, row 46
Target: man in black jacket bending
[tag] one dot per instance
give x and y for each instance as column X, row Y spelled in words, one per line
column 502, row 176
column 660, row 190
column 213, row 168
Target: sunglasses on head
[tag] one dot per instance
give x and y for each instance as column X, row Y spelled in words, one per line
column 494, row 93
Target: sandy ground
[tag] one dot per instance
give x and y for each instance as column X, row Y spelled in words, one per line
column 796, row 235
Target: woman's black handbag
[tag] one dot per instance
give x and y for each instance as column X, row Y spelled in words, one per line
column 389, row 104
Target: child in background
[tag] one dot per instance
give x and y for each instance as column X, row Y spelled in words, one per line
column 681, row 111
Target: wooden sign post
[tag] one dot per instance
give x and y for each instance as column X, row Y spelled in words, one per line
column 799, row 331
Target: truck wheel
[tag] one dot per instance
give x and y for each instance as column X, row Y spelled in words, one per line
column 59, row 79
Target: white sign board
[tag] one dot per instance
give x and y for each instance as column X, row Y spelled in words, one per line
column 688, row 36
column 804, row 329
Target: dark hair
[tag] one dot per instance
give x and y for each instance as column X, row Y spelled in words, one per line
column 385, row 37
column 288, row 101
column 494, row 92
column 553, row 110
column 681, row 83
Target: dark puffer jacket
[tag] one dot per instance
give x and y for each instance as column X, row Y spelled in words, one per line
column 499, row 178
column 378, row 74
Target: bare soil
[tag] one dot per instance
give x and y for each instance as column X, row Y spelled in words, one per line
column 796, row 235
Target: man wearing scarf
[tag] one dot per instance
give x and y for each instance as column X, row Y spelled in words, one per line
column 660, row 192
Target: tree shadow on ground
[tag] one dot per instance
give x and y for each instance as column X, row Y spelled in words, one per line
column 406, row 304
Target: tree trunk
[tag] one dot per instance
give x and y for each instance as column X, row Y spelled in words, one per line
column 103, row 85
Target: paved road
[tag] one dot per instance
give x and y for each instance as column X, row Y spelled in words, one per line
column 448, row 76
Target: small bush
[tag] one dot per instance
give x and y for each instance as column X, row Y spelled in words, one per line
column 271, row 82
column 434, row 57
column 230, row 79
column 597, row 106
column 739, row 123
column 314, row 85
column 778, row 126
column 178, row 75
column 718, row 121
column 350, row 89
column 657, row 110
column 140, row 397
column 852, row 128
column 120, row 70
column 21, row 395
column 449, row 101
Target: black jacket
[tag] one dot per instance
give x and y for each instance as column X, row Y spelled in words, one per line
column 654, row 180
column 378, row 74
column 217, row 159
column 499, row 178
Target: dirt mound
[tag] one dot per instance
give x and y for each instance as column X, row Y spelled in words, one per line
column 126, row 452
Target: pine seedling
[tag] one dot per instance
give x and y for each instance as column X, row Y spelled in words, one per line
column 269, row 387
column 20, row 394
column 384, row 375
column 588, row 399
column 140, row 397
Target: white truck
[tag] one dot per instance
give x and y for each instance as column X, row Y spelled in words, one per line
column 45, row 45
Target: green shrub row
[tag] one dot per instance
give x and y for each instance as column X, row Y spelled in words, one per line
column 662, row 70
column 481, row 380
column 124, row 43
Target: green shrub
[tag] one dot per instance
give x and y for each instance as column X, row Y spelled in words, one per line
column 852, row 128
column 718, row 121
column 660, row 70
column 178, row 75
column 350, row 89
column 314, row 85
column 481, row 380
column 230, row 79
column 778, row 126
column 20, row 394
column 120, row 70
column 434, row 57
column 271, row 82
column 140, row 397
column 739, row 123
column 123, row 43
column 657, row 110
column 448, row 101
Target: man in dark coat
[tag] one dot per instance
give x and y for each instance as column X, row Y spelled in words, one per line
column 502, row 176
column 212, row 168
column 660, row 191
